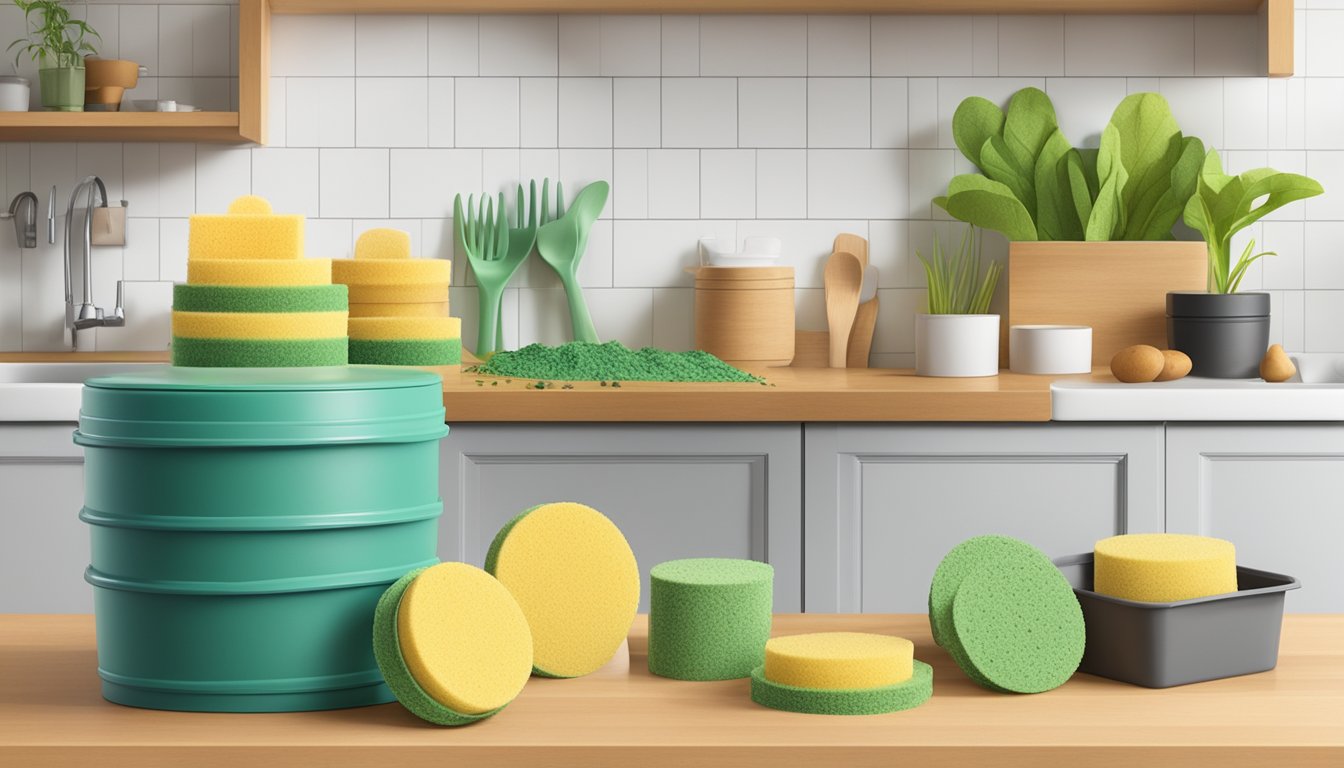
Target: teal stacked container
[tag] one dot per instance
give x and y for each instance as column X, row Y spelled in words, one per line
column 244, row 523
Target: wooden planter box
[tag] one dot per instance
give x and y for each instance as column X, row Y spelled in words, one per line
column 1117, row 288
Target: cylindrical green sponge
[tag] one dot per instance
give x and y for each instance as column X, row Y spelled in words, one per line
column 260, row 298
column 854, row 701
column 406, row 352
column 258, row 353
column 709, row 618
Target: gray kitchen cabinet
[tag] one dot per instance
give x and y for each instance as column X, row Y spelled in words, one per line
column 675, row 490
column 1274, row 490
column 885, row 502
column 44, row 548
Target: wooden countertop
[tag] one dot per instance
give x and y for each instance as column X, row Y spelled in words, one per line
column 83, row 357
column 51, row 714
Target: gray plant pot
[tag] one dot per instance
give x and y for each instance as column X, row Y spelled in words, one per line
column 1225, row 334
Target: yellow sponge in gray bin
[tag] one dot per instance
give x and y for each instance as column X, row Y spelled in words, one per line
column 709, row 618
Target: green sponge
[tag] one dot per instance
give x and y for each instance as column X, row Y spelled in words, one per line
column 260, row 298
column 709, row 618
column 258, row 353
column 907, row 694
column 406, row 352
column 1019, row 625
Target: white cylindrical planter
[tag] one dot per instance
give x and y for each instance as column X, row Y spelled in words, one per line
column 957, row 345
column 1054, row 349
column 13, row 94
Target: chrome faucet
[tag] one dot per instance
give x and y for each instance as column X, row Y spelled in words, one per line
column 25, row 225
column 87, row 315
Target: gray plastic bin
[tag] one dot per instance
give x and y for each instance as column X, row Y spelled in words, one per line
column 1159, row 645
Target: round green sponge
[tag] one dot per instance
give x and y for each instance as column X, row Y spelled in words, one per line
column 258, row 353
column 405, row 352
column 906, row 694
column 260, row 298
column 1019, row 625
column 709, row 618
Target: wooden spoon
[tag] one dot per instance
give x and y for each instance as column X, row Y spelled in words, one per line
column 853, row 244
column 844, row 280
column 865, row 322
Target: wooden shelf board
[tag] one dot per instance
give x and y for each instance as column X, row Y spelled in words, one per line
column 766, row 6
column 120, row 126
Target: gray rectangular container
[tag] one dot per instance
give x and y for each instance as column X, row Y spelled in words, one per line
column 1159, row 645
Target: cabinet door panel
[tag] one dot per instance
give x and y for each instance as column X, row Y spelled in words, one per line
column 44, row 548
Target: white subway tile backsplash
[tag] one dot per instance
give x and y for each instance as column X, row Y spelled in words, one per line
column 353, row 183
column 923, row 112
column 539, row 164
column 771, row 112
column 580, row 167
column 391, row 112
column 288, row 178
column 849, row 183
column 1284, row 270
column 781, row 183
column 888, row 251
column 1083, row 106
column 631, row 46
column 149, row 307
column 920, row 46
column 138, row 35
column 1197, row 105
column 210, row 50
column 805, row 244
column 585, row 112
column 890, row 112
column 175, row 43
column 1323, row 321
column 486, row 111
column 424, row 181
column 674, row 319
column 1323, row 265
column 580, row 46
column 500, row 171
column 140, row 179
column 440, row 116
column 391, row 45
column 1031, row 45
column 985, row 38
column 1327, row 167
column 1324, row 104
column 320, row 112
column 315, row 46
column 674, row 183
column 656, row 252
column 452, row 43
column 838, row 112
column 519, row 45
column 753, row 46
column 1324, row 54
column 699, row 112
column 630, row 184
column 1099, row 45
column 140, row 257
column 728, row 183
column 1229, row 45
column 328, row 238
column 930, row 170
column 177, row 179
column 538, row 108
column 681, row 46
column 1245, row 113
column 636, row 112
column 895, row 331
column 222, row 174
column 173, row 250
column 838, row 46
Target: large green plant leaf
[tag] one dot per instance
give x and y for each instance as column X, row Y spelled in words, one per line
column 1149, row 147
column 1278, row 189
column 1056, row 215
column 975, row 120
column 998, row 164
column 1080, row 169
column 987, row 203
column 1108, row 211
column 1165, row 212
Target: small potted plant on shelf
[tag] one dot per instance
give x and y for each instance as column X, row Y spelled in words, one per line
column 958, row 336
column 1224, row 332
column 57, row 43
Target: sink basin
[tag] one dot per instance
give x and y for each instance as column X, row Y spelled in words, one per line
column 50, row 391
column 1315, row 394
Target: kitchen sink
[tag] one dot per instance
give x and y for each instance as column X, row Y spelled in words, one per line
column 50, row 391
column 1316, row 393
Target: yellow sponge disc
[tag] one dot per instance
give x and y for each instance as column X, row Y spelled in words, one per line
column 391, row 271
column 574, row 576
column 1164, row 567
column 259, row 272
column 414, row 293
column 420, row 309
column 463, row 638
column 839, row 660
column 259, row 325
column 248, row 231
column 383, row 243
column 398, row 328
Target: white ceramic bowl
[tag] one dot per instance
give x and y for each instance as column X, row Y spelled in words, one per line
column 1050, row 349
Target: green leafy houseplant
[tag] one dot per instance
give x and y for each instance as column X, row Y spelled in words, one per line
column 1224, row 205
column 57, row 43
column 1033, row 185
column 956, row 286
column 958, row 336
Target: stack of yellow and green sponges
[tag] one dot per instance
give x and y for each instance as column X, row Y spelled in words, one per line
column 841, row 673
column 251, row 299
column 398, row 305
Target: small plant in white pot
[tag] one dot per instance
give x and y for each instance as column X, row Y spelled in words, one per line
column 57, row 43
column 958, row 336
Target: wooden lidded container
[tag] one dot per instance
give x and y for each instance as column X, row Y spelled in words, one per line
column 745, row 314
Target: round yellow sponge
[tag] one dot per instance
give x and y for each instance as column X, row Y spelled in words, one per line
column 259, row 325
column 412, row 309
column 391, row 271
column 395, row 328
column 577, row 581
column 383, row 243
column 408, row 293
column 839, row 660
column 259, row 272
column 1164, row 567
column 463, row 638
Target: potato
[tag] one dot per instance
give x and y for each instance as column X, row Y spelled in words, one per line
column 1277, row 365
column 1138, row 363
column 1175, row 365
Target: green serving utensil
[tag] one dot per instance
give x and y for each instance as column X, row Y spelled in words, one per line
column 485, row 239
column 561, row 242
column 521, row 240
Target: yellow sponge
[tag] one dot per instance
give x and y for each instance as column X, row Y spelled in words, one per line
column 395, row 328
column 413, row 293
column 1164, row 567
column 839, row 660
column 574, row 576
column 248, row 231
column 259, row 325
column 463, row 638
column 420, row 309
column 391, row 271
column 259, row 272
column 383, row 243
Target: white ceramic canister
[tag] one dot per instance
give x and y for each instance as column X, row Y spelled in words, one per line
column 957, row 345
column 13, row 93
column 1053, row 349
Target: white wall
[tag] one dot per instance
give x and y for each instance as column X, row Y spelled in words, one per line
column 797, row 126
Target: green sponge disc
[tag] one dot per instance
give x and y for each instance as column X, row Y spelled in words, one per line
column 1019, row 625
column 260, row 298
column 406, row 351
column 709, row 618
column 906, row 694
column 258, row 353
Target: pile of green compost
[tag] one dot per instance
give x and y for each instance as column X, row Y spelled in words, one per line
column 612, row 361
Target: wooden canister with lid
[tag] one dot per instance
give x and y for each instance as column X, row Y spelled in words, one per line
column 745, row 314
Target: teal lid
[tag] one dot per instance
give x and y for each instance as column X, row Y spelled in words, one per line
column 255, row 407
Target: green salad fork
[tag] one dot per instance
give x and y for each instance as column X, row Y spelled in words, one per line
column 562, row 240
column 495, row 251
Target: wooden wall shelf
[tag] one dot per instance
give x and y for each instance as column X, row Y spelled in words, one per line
column 248, row 124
